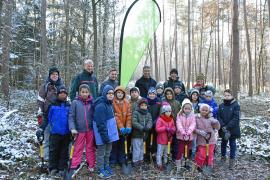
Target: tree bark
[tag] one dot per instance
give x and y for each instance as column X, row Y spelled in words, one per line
column 218, row 48
column 250, row 88
column 43, row 32
column 155, row 57
column 1, row 10
column 6, row 48
column 175, row 41
column 163, row 42
column 201, row 41
column 67, row 42
column 189, row 48
column 235, row 54
column 94, row 24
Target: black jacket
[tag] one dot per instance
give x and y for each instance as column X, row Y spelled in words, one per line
column 171, row 83
column 229, row 117
column 144, row 84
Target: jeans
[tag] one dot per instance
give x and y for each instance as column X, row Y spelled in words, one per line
column 46, row 142
column 232, row 143
column 103, row 155
column 137, row 153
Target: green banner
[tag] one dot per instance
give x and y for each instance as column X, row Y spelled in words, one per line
column 140, row 23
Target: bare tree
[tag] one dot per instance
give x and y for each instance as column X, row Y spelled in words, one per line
column 201, row 41
column 250, row 88
column 6, row 48
column 218, row 47
column 94, row 24
column 235, row 68
column 189, row 48
column 155, row 57
column 43, row 32
column 67, row 40
column 163, row 42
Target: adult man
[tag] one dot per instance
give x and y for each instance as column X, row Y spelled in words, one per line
column 112, row 81
column 173, row 80
column 86, row 77
column 145, row 82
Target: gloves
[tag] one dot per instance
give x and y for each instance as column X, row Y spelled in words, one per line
column 128, row 130
column 202, row 133
column 123, row 131
column 74, row 132
column 39, row 133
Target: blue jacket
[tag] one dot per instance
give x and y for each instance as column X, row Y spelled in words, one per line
column 104, row 124
column 57, row 118
column 81, row 115
column 229, row 117
column 213, row 104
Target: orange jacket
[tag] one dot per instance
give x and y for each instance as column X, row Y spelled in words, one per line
column 122, row 110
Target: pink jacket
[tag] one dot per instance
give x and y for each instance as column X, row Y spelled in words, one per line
column 161, row 129
column 207, row 125
column 185, row 124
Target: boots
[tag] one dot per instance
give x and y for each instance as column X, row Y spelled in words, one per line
column 231, row 164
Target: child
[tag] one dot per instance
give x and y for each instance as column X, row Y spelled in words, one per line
column 59, row 132
column 209, row 99
column 105, row 130
column 185, row 124
column 229, row 119
column 195, row 100
column 81, row 126
column 122, row 112
column 142, row 124
column 160, row 89
column 134, row 98
column 204, row 125
column 154, row 109
column 179, row 94
column 165, row 129
column 175, row 105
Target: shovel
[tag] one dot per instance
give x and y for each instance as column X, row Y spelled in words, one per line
column 144, row 166
column 169, row 166
column 206, row 169
column 42, row 169
column 151, row 146
column 126, row 167
column 186, row 139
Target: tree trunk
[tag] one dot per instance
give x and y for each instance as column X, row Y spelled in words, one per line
column 235, row 54
column 155, row 57
column 163, row 43
column 201, row 41
column 218, row 48
column 104, row 38
column 250, row 89
column 189, row 48
column 175, row 41
column 208, row 55
column 94, row 24
column 43, row 33
column 67, row 44
column 255, row 48
column 1, row 8
column 6, row 48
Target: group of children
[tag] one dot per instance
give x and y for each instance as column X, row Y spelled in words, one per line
column 166, row 117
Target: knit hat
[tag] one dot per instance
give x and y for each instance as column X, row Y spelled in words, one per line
column 173, row 71
column 152, row 90
column 204, row 105
column 134, row 89
column 177, row 85
column 62, row 89
column 194, row 90
column 186, row 101
column 159, row 86
column 84, row 86
column 208, row 93
column 166, row 108
column 52, row 70
column 200, row 77
column 142, row 101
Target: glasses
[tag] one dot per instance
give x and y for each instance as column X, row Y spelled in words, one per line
column 110, row 93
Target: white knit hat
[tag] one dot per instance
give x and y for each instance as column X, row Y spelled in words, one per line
column 186, row 101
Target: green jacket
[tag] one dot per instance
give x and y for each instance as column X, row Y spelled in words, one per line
column 139, row 121
column 84, row 78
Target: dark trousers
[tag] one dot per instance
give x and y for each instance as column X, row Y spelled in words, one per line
column 58, row 155
column 174, row 148
column 232, row 143
column 117, row 155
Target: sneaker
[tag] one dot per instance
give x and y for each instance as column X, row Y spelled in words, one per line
column 109, row 170
column 102, row 173
column 53, row 172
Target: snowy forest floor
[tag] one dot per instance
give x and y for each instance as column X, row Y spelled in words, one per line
column 19, row 148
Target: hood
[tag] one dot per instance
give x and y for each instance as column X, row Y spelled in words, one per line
column 120, row 88
column 169, row 89
column 105, row 91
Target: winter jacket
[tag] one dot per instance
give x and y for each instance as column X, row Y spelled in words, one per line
column 104, row 124
column 57, row 117
column 48, row 94
column 144, row 84
column 180, row 97
column 171, row 83
column 229, row 117
column 122, row 110
column 185, row 124
column 81, row 114
column 134, row 103
column 204, row 88
column 139, row 121
column 161, row 129
column 207, row 125
column 110, row 82
column 213, row 104
column 173, row 103
column 154, row 109
column 84, row 78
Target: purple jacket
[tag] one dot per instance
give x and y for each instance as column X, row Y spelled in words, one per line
column 81, row 115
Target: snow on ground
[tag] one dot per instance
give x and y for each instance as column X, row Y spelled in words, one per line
column 19, row 150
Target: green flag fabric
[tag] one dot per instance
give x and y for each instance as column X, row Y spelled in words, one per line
column 140, row 23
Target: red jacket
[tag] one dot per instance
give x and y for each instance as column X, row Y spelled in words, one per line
column 161, row 129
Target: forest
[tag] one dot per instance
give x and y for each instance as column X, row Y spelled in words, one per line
column 226, row 40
